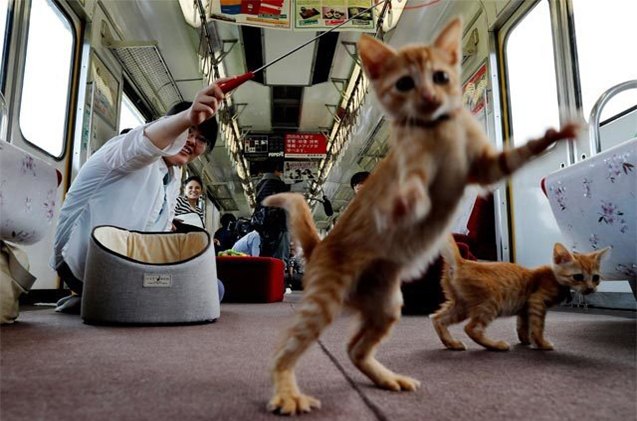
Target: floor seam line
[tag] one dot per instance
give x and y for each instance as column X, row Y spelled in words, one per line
column 380, row 416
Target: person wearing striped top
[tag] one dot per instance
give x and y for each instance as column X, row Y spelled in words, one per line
column 187, row 207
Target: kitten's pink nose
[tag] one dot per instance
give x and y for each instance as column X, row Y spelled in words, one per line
column 429, row 97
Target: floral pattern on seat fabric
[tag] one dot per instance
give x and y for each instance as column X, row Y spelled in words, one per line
column 595, row 204
column 28, row 191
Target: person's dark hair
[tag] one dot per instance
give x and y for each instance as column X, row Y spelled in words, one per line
column 359, row 178
column 208, row 128
column 227, row 219
column 124, row 131
column 273, row 165
column 194, row 178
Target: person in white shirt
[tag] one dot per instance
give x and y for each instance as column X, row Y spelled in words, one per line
column 132, row 182
column 249, row 244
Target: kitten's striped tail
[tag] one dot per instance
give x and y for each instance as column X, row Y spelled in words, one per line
column 451, row 253
column 300, row 220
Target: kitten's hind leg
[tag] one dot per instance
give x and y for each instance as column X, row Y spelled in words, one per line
column 316, row 311
column 449, row 314
column 478, row 324
column 523, row 327
column 379, row 312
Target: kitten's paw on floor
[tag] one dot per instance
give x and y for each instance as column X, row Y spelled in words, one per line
column 544, row 346
column 456, row 346
column 398, row 383
column 500, row 346
column 292, row 404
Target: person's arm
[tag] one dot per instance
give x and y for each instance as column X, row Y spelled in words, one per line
column 164, row 131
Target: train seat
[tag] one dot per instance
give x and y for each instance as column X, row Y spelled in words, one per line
column 251, row 279
column 121, row 285
column 28, row 191
column 595, row 204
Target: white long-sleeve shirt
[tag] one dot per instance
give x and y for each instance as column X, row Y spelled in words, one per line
column 125, row 184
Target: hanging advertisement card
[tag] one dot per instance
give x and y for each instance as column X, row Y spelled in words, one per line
column 300, row 171
column 305, row 145
column 261, row 13
column 320, row 15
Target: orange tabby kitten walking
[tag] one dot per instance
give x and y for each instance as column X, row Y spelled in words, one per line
column 394, row 226
column 482, row 291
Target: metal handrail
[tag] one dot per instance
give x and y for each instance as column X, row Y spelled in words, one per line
column 596, row 112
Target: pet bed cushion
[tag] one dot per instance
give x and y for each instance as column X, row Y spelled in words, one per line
column 157, row 277
column 251, row 279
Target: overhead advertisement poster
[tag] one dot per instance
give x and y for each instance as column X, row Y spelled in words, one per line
column 319, row 15
column 305, row 145
column 300, row 171
column 262, row 13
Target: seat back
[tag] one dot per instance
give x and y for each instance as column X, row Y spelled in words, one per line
column 595, row 205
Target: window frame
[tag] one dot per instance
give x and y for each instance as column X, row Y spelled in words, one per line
column 76, row 34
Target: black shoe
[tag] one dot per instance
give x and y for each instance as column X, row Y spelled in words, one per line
column 69, row 305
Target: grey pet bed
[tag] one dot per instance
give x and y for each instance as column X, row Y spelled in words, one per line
column 158, row 277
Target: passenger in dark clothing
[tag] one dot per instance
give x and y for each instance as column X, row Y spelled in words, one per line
column 275, row 239
column 225, row 236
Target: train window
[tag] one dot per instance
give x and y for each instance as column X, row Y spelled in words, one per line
column 532, row 106
column 4, row 16
column 603, row 34
column 47, row 77
column 531, row 75
column 130, row 116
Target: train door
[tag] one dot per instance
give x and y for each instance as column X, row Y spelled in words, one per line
column 558, row 57
column 42, row 40
column 531, row 106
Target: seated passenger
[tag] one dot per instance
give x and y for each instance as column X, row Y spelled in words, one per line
column 187, row 210
column 271, row 222
column 131, row 182
column 249, row 244
column 225, row 236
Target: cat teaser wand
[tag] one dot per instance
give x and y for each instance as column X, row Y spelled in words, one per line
column 236, row 81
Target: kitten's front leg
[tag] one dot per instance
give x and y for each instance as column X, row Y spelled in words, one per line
column 491, row 166
column 537, row 316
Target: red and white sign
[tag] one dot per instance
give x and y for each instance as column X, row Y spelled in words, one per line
column 305, row 145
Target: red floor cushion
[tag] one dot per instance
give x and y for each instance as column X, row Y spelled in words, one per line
column 251, row 279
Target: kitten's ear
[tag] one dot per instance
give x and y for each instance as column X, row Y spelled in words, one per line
column 602, row 254
column 374, row 53
column 561, row 255
column 450, row 40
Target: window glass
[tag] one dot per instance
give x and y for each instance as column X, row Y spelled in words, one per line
column 47, row 77
column 130, row 116
column 604, row 32
column 533, row 107
column 4, row 12
column 531, row 75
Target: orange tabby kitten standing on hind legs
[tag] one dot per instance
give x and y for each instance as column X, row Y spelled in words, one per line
column 482, row 291
column 395, row 225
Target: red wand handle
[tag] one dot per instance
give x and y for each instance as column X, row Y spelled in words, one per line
column 230, row 84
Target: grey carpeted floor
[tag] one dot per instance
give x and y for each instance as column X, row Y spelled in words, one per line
column 55, row 367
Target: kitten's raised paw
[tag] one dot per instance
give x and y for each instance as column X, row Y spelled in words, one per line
column 412, row 201
column 292, row 404
column 398, row 382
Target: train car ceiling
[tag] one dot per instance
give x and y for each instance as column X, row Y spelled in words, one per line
column 306, row 92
